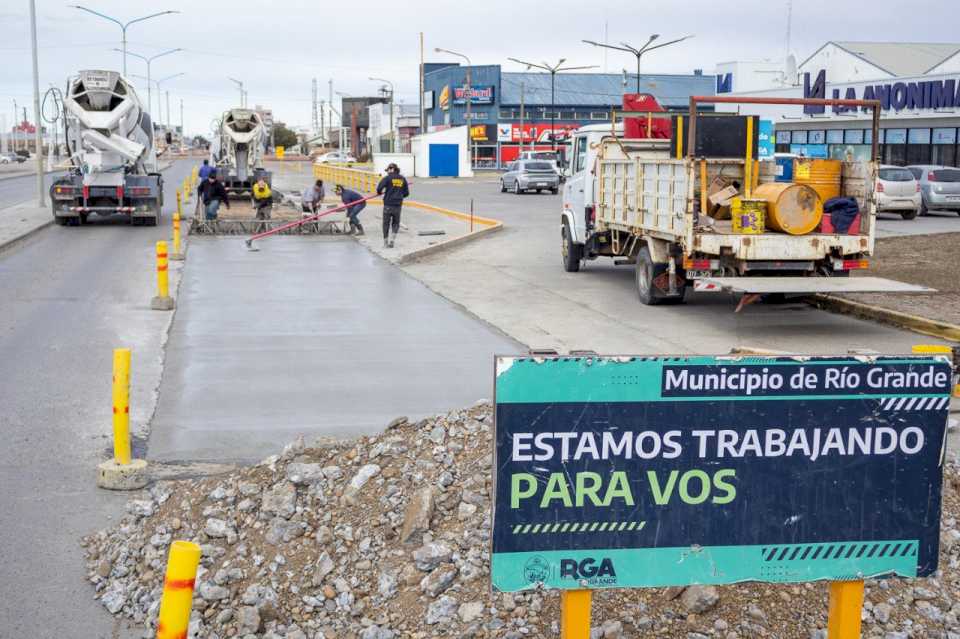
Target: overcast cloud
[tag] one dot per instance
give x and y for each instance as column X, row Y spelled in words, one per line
column 277, row 47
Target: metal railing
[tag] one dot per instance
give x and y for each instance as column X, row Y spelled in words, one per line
column 364, row 181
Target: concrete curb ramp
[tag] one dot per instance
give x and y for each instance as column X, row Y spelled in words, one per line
column 915, row 323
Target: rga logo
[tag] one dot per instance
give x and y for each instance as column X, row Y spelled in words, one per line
column 536, row 570
column 588, row 569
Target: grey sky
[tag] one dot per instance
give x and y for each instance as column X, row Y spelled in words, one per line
column 278, row 47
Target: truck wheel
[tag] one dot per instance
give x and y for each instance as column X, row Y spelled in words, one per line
column 572, row 252
column 554, row 191
column 645, row 272
column 60, row 221
column 909, row 215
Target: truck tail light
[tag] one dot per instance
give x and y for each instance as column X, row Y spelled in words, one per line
column 120, row 193
column 86, row 192
column 700, row 265
column 879, row 187
column 140, row 190
column 850, row 265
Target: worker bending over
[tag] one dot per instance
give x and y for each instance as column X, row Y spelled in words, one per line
column 347, row 196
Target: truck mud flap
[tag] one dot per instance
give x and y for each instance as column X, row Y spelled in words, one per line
column 806, row 285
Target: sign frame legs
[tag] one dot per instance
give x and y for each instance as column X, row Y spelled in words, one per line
column 575, row 614
column 846, row 606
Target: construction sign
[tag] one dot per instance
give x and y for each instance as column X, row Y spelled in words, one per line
column 633, row 472
column 280, row 152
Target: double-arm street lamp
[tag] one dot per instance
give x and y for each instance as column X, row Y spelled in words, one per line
column 123, row 27
column 553, row 71
column 638, row 52
column 243, row 94
column 393, row 133
column 159, row 92
column 149, row 60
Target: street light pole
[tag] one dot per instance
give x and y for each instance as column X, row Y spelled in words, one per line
column 159, row 91
column 123, row 27
column 638, row 52
column 148, row 60
column 393, row 133
column 553, row 71
column 239, row 86
column 38, row 136
column 468, row 98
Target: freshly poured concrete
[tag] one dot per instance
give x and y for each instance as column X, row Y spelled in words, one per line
column 308, row 335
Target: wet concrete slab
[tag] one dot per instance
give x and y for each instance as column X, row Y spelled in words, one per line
column 312, row 336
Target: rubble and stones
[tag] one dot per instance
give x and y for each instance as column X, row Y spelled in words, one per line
column 387, row 537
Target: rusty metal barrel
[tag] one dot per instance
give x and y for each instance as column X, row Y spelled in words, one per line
column 822, row 175
column 791, row 208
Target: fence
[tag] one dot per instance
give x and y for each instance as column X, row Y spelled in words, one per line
column 353, row 178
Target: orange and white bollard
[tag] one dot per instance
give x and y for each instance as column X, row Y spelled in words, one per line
column 122, row 472
column 176, row 602
column 163, row 301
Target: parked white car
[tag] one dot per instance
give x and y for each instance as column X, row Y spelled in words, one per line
column 898, row 191
column 334, row 157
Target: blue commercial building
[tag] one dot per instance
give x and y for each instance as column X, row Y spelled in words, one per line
column 579, row 98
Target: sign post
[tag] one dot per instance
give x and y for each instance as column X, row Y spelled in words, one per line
column 648, row 472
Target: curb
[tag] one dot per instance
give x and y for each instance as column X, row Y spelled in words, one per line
column 915, row 323
column 413, row 256
column 33, row 174
column 9, row 244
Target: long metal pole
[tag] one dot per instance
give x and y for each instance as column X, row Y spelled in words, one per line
column 183, row 135
column 521, row 115
column 638, row 71
column 468, row 96
column 553, row 111
column 393, row 132
column 423, row 112
column 123, row 45
column 38, row 138
column 169, row 119
column 149, row 95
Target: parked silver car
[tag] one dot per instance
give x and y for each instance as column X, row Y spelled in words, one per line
column 897, row 191
column 939, row 187
column 530, row 175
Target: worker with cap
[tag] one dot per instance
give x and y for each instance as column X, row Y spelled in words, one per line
column 347, row 196
column 212, row 194
column 312, row 198
column 205, row 170
column 393, row 187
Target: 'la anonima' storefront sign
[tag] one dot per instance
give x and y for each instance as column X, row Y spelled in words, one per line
column 661, row 471
column 943, row 93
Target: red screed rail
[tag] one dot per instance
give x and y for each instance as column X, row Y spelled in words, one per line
column 312, row 218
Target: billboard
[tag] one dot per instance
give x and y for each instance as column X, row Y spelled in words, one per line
column 444, row 99
column 478, row 95
column 669, row 471
column 534, row 132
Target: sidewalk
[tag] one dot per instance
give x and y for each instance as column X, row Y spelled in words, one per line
column 22, row 220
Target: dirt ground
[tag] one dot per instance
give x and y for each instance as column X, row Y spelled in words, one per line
column 928, row 260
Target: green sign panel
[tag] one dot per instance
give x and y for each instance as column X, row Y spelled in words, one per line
column 661, row 471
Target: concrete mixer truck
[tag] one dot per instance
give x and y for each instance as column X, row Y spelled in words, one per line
column 114, row 164
column 237, row 150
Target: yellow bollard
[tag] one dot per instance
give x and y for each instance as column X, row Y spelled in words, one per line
column 177, row 251
column 186, row 192
column 177, row 599
column 575, row 614
column 121, row 406
column 846, row 606
column 163, row 301
column 122, row 472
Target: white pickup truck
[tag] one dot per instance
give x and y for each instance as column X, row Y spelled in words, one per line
column 632, row 201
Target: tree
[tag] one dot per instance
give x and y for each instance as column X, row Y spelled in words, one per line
column 282, row 136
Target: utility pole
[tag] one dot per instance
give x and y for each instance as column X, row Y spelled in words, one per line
column 13, row 131
column 314, row 118
column 521, row 115
column 468, row 96
column 323, row 127
column 169, row 119
column 423, row 112
column 41, row 199
column 183, row 135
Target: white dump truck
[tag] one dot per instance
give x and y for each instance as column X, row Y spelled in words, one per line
column 238, row 149
column 643, row 203
column 114, row 164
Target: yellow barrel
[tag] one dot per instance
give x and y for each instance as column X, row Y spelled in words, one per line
column 822, row 175
column 748, row 217
column 791, row 208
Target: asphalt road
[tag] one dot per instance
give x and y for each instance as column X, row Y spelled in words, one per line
column 70, row 296
column 20, row 189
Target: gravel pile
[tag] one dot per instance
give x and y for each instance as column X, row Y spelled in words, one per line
column 388, row 536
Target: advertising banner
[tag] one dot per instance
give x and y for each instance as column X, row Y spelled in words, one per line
column 628, row 472
column 766, row 146
column 534, row 132
column 478, row 95
column 444, row 99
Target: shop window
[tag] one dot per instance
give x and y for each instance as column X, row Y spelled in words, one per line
column 895, row 154
column 919, row 153
column 853, row 136
column 835, row 136
column 783, row 138
column 506, row 114
column 567, row 115
column 799, row 137
column 599, row 115
column 817, row 137
column 943, row 154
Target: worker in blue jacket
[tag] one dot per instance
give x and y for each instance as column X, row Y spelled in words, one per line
column 347, row 196
column 205, row 170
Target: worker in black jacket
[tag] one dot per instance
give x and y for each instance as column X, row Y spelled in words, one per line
column 393, row 187
column 212, row 194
